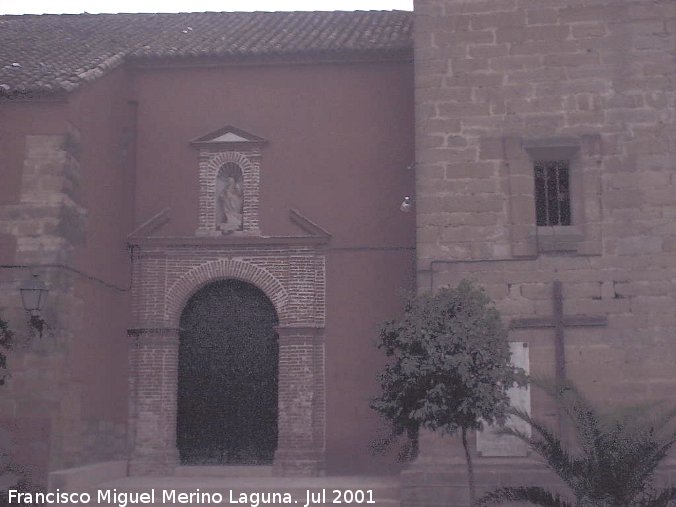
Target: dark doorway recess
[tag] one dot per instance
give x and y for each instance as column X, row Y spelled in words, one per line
column 227, row 376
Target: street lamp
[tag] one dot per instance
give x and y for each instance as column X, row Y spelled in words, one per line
column 33, row 296
column 406, row 204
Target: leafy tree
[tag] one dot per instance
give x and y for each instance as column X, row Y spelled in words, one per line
column 450, row 366
column 10, row 474
column 612, row 464
column 6, row 337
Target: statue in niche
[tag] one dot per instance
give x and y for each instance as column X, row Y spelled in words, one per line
column 229, row 198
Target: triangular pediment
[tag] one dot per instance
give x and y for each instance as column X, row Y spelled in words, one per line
column 228, row 137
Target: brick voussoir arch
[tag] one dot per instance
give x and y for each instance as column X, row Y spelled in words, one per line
column 219, row 159
column 179, row 293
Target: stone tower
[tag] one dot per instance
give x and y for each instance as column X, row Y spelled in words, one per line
column 545, row 172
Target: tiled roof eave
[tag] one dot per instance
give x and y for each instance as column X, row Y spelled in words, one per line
column 72, row 83
column 66, row 51
column 102, row 68
column 63, row 86
column 35, row 94
column 300, row 57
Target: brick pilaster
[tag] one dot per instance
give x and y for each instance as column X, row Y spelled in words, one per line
column 300, row 447
column 155, row 357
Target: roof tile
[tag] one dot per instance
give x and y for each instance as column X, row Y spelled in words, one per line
column 53, row 53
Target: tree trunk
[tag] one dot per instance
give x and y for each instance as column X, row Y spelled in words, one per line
column 470, row 469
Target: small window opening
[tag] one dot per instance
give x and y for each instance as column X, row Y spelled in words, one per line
column 552, row 192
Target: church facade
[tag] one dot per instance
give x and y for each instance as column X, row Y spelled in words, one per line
column 172, row 153
column 277, row 158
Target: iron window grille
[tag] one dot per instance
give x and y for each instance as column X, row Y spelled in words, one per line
column 552, row 192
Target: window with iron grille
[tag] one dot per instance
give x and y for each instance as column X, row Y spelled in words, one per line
column 552, row 192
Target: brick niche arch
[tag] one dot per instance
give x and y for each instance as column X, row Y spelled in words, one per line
column 179, row 293
column 210, row 164
column 236, row 157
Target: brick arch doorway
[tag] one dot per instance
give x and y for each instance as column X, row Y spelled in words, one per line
column 227, row 407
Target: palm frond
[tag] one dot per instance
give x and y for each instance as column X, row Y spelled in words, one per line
column 587, row 424
column 661, row 499
column 532, row 494
column 665, row 420
column 613, row 461
column 549, row 447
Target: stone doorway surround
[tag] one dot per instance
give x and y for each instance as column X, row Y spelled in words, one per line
column 166, row 272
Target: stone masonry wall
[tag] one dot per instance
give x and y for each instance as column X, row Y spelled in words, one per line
column 489, row 71
column 497, row 79
column 42, row 403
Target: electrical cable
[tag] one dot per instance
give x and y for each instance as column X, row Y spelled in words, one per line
column 70, row 269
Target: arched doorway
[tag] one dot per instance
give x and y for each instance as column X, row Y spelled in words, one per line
column 227, row 376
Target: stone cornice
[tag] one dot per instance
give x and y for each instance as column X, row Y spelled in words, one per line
column 232, row 240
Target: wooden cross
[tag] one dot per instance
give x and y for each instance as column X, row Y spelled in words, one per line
column 559, row 322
